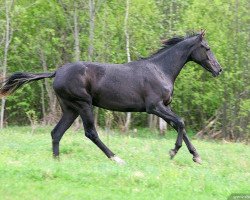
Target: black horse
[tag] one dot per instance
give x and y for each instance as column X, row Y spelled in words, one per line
column 144, row 85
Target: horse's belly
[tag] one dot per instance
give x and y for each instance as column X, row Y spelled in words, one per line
column 121, row 108
column 120, row 102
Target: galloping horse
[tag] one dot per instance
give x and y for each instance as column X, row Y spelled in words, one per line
column 145, row 85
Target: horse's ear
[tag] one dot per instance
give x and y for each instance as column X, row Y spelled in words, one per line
column 203, row 32
column 201, row 35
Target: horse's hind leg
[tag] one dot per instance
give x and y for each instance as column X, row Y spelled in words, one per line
column 65, row 122
column 86, row 114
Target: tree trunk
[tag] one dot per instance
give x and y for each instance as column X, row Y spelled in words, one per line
column 128, row 116
column 235, row 119
column 50, row 118
column 76, row 52
column 43, row 104
column 76, row 34
column 5, row 58
column 47, row 85
column 162, row 126
column 91, row 45
column 91, row 29
column 152, row 121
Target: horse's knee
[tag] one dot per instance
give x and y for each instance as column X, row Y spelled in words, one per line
column 178, row 145
column 55, row 138
column 52, row 133
column 181, row 123
column 92, row 135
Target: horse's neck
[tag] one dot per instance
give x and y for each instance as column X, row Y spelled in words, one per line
column 172, row 60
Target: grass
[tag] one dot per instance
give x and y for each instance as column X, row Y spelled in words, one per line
column 27, row 170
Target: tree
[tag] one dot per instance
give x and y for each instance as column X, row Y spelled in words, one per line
column 126, row 30
column 7, row 39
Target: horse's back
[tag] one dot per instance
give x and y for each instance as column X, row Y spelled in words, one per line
column 111, row 86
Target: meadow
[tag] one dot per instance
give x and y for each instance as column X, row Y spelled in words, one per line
column 28, row 171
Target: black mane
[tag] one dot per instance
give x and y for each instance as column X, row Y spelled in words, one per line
column 168, row 43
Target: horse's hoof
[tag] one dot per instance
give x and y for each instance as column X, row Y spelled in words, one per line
column 118, row 160
column 197, row 159
column 57, row 158
column 172, row 153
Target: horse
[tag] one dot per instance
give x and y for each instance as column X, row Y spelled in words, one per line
column 144, row 85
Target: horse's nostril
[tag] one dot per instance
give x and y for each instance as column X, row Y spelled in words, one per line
column 220, row 70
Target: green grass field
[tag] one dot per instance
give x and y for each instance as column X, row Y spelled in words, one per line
column 27, row 170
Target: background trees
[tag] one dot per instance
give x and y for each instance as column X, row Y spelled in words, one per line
column 46, row 34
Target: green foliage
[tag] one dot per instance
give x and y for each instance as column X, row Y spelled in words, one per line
column 27, row 170
column 31, row 114
column 245, row 107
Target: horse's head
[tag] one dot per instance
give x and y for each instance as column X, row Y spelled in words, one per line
column 203, row 56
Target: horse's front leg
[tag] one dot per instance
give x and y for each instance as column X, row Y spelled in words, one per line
column 178, row 124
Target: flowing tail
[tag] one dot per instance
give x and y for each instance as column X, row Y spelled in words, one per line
column 16, row 80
